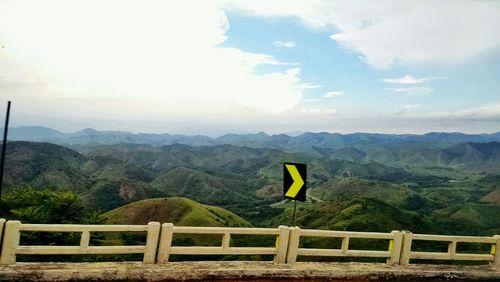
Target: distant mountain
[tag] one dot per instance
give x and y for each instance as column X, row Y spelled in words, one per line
column 473, row 153
column 34, row 133
column 306, row 142
column 91, row 136
column 44, row 165
column 204, row 187
column 347, row 188
column 472, row 156
column 483, row 157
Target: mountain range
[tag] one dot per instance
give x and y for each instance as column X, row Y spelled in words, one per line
column 303, row 142
column 434, row 183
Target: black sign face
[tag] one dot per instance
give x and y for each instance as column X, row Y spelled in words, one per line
column 294, row 181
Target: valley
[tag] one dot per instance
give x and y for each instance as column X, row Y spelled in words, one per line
column 433, row 183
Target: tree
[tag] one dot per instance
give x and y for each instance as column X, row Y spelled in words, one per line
column 46, row 206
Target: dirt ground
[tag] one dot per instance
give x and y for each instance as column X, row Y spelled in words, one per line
column 242, row 271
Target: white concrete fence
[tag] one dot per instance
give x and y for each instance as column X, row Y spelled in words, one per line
column 158, row 246
column 166, row 249
column 451, row 254
column 392, row 254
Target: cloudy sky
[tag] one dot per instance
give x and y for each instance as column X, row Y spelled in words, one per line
column 213, row 67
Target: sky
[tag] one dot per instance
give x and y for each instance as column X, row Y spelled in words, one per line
column 277, row 66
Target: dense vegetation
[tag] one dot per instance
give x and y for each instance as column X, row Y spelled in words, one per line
column 46, row 206
column 435, row 183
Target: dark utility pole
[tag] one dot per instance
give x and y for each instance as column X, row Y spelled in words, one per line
column 4, row 146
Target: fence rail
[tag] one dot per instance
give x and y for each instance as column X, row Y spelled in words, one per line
column 407, row 253
column 13, row 229
column 168, row 230
column 159, row 247
column 392, row 255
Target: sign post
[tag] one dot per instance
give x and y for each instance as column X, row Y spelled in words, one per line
column 294, row 184
column 4, row 147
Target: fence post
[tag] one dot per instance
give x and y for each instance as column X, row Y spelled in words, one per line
column 406, row 248
column 282, row 244
column 496, row 261
column 10, row 242
column 2, row 225
column 151, row 242
column 167, row 232
column 226, row 241
column 395, row 247
column 293, row 245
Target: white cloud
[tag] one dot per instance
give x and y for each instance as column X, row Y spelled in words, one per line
column 408, row 79
column 287, row 44
column 154, row 60
column 396, row 32
column 319, row 112
column 308, row 85
column 333, row 94
column 411, row 90
column 481, row 113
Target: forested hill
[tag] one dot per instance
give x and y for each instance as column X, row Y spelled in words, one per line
column 448, row 189
column 225, row 175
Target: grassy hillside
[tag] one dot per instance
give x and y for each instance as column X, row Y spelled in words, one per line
column 177, row 210
column 356, row 214
column 202, row 186
column 347, row 188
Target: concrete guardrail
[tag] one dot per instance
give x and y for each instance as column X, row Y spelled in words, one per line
column 407, row 253
column 394, row 244
column 168, row 229
column 158, row 246
column 13, row 229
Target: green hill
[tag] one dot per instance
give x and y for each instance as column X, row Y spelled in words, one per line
column 416, row 184
column 355, row 214
column 43, row 165
column 202, row 186
column 471, row 218
column 348, row 187
column 177, row 210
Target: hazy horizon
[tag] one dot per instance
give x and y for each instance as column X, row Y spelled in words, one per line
column 214, row 67
column 291, row 134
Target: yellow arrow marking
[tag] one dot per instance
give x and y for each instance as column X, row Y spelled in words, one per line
column 297, row 181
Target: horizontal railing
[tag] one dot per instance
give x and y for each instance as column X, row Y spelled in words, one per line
column 407, row 253
column 168, row 230
column 394, row 244
column 13, row 228
column 158, row 247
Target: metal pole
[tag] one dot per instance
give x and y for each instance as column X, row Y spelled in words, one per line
column 4, row 146
column 294, row 212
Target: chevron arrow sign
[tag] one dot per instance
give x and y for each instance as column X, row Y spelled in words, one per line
column 294, row 181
